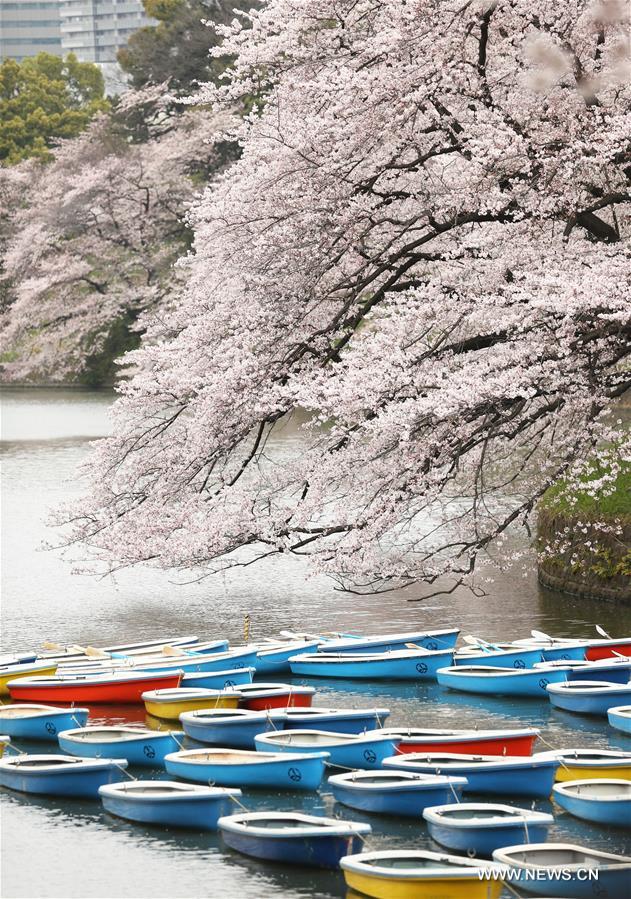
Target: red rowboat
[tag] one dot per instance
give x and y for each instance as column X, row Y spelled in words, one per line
column 92, row 688
column 467, row 742
column 260, row 697
column 605, row 649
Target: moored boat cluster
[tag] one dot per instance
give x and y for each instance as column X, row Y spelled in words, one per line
column 251, row 732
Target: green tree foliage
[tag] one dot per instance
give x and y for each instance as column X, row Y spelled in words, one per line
column 176, row 49
column 43, row 99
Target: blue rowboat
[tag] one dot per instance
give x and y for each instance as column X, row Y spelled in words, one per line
column 29, row 721
column 478, row 828
column 275, row 659
column 603, row 800
column 189, row 664
column 513, row 775
column 432, row 640
column 499, row 681
column 394, row 792
column 59, row 775
column 401, row 664
column 241, row 768
column 419, row 874
column 234, row 728
column 294, row 838
column 619, row 717
column 567, row 870
column 139, row 745
column 502, row 658
column 219, row 680
column 345, row 750
column 168, row 802
column 342, row 721
column 609, row 671
column 555, row 650
column 588, row 697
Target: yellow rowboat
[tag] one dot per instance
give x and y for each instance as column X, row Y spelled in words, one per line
column 170, row 703
column 13, row 672
column 587, row 764
column 416, row 874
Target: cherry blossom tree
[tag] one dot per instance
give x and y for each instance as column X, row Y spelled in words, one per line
column 95, row 233
column 425, row 247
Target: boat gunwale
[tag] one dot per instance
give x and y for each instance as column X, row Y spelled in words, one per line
column 235, row 824
column 504, row 855
column 514, row 817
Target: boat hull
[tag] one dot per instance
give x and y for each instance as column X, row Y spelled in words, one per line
column 110, row 692
column 589, row 702
column 563, row 653
column 619, row 720
column 172, row 710
column 147, row 750
column 276, row 661
column 422, row 888
column 483, row 841
column 75, row 783
column 518, row 658
column 612, row 812
column 367, row 754
column 351, row 722
column 530, row 683
column 534, row 779
column 407, row 801
column 433, row 640
column 27, row 670
column 608, row 649
column 304, row 773
column 501, row 746
column 568, row 771
column 388, row 668
column 272, row 700
column 232, row 734
column 189, row 811
column 46, row 725
column 312, row 852
column 219, row 680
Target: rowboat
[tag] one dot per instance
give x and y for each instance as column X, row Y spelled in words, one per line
column 577, row 764
column 242, row 768
column 342, row 721
column 394, row 792
column 170, row 703
column 259, row 697
column 531, row 776
column 499, row 681
column 188, row 664
column 139, row 745
column 556, row 650
column 234, row 728
column 293, row 838
column 610, row 671
column 140, row 658
column 23, row 669
column 418, row 874
column 563, row 869
column 168, row 802
column 96, row 688
column 603, row 800
column 619, row 717
column 276, row 660
column 245, row 657
column 345, row 750
column 57, row 651
column 588, row 697
column 502, row 658
column 518, row 741
column 59, row 775
column 595, row 648
column 478, row 828
column 39, row 722
column 399, row 664
column 432, row 640
column 17, row 658
column 219, row 680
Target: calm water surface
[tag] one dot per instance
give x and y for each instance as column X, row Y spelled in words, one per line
column 58, row 849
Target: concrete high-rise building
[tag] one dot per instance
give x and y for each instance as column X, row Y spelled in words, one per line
column 29, row 27
column 94, row 30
